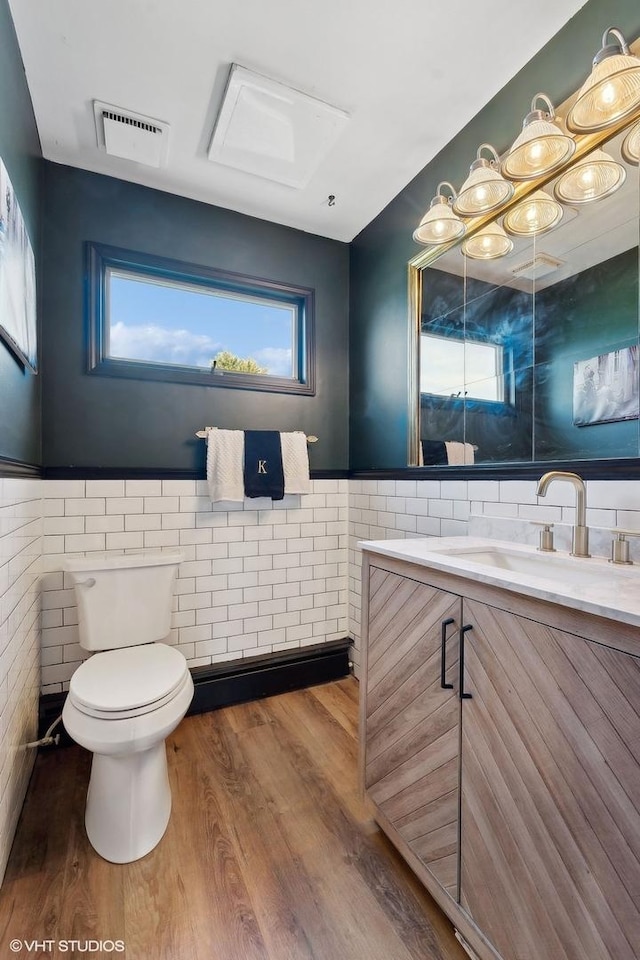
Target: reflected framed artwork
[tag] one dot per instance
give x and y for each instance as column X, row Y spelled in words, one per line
column 605, row 388
column 17, row 279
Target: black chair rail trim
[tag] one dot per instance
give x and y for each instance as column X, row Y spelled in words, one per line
column 153, row 473
column 17, row 468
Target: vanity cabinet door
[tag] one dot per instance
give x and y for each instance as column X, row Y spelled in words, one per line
column 550, row 821
column 411, row 720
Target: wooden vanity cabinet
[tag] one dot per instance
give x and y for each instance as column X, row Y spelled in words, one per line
column 543, row 862
column 413, row 716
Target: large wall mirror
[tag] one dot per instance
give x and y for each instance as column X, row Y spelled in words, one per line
column 532, row 356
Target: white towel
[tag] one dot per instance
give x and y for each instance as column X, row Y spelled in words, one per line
column 469, row 453
column 225, row 464
column 295, row 462
column 455, row 452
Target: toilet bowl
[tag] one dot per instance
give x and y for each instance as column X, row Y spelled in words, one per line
column 127, row 698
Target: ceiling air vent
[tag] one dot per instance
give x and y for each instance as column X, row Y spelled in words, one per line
column 536, row 267
column 131, row 136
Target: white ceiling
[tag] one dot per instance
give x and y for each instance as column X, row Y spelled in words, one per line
column 389, row 65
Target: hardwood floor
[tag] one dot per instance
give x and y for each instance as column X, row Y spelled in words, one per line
column 270, row 853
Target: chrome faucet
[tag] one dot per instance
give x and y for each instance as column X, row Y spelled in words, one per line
column 580, row 536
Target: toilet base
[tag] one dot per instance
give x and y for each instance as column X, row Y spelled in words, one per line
column 128, row 803
column 129, row 798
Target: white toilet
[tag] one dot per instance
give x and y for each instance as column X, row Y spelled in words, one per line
column 125, row 700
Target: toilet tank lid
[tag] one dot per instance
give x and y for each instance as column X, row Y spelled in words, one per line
column 115, row 561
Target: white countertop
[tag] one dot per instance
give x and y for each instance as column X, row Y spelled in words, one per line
column 609, row 590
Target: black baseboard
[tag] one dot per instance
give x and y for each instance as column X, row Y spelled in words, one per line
column 223, row 684
column 239, row 681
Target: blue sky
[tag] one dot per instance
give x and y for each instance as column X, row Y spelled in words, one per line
column 156, row 322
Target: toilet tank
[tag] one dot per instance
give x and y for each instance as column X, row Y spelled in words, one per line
column 123, row 600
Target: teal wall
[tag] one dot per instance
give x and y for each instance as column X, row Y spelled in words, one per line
column 21, row 154
column 379, row 325
column 599, row 314
column 92, row 421
column 362, row 373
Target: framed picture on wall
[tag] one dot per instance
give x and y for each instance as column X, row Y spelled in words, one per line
column 605, row 388
column 17, row 279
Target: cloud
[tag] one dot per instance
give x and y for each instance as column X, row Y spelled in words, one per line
column 161, row 345
column 157, row 344
column 277, row 360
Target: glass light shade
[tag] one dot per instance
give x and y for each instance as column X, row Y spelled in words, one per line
column 488, row 244
column 541, row 147
column 439, row 223
column 485, row 188
column 612, row 90
column 631, row 146
column 595, row 176
column 534, row 215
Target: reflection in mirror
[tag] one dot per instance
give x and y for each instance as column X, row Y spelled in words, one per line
column 533, row 356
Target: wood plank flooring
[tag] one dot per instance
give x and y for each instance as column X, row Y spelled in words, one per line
column 270, row 853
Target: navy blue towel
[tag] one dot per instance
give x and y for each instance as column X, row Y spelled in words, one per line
column 433, row 452
column 263, row 473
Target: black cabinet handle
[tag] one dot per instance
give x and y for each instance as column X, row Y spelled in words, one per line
column 443, row 662
column 463, row 630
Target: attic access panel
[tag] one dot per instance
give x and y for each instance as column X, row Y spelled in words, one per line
column 273, row 131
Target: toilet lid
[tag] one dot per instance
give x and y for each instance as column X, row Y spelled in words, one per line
column 129, row 679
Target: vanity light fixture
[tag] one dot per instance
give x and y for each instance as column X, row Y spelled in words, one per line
column 541, row 147
column 485, row 188
column 536, row 214
column 596, row 176
column 612, row 90
column 440, row 223
column 488, row 244
column 631, row 146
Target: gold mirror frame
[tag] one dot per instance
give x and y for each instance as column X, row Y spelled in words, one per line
column 427, row 256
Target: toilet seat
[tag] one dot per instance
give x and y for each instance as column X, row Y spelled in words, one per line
column 128, row 682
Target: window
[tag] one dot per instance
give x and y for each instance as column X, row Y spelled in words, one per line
column 466, row 369
column 158, row 319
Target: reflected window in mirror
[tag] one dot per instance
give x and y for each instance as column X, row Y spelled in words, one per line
column 472, row 369
column 481, row 331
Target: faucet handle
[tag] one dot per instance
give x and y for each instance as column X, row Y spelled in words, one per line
column 620, row 545
column 546, row 535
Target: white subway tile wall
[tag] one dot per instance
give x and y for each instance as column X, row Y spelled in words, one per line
column 20, row 550
column 263, row 576
column 257, row 577
column 503, row 509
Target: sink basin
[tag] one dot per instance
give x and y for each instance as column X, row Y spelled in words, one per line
column 568, row 569
column 590, row 584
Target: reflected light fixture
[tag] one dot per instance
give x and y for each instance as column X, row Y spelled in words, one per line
column 534, row 215
column 485, row 188
column 541, row 147
column 488, row 244
column 631, row 146
column 440, row 223
column 612, row 90
column 596, row 176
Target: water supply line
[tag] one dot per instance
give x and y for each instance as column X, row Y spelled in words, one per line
column 47, row 740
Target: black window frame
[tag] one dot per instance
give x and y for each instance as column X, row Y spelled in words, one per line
column 100, row 258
